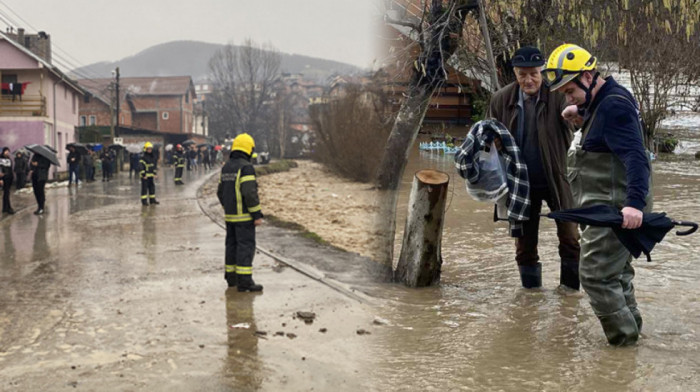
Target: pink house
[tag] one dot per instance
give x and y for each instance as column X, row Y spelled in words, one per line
column 39, row 103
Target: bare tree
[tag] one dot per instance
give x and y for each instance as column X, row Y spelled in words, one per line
column 244, row 80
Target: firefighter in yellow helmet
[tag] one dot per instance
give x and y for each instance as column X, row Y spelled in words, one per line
column 608, row 164
column 238, row 194
column 148, row 173
column 179, row 159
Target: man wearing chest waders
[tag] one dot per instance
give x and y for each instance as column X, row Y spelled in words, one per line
column 608, row 165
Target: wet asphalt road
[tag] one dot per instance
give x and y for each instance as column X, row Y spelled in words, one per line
column 101, row 293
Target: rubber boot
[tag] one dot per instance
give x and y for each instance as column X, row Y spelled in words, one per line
column 620, row 328
column 154, row 201
column 637, row 318
column 144, row 202
column 231, row 279
column 569, row 275
column 531, row 275
column 246, row 283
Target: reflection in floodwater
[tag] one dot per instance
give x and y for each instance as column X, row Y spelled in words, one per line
column 148, row 234
column 243, row 368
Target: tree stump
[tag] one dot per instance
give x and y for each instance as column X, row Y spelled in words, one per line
column 421, row 259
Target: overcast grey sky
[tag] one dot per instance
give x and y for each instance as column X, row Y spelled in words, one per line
column 109, row 30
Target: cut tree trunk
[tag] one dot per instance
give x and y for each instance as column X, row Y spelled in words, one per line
column 421, row 259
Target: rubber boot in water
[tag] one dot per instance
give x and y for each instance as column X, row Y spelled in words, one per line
column 569, row 275
column 246, row 283
column 620, row 328
column 531, row 275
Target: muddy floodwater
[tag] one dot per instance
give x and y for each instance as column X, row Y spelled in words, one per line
column 101, row 294
column 479, row 331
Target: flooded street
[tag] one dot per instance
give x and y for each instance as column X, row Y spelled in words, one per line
column 103, row 294
column 480, row 331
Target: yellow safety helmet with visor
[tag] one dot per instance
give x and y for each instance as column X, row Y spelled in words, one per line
column 565, row 64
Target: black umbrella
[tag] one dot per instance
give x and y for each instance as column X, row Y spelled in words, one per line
column 45, row 151
column 208, row 145
column 115, row 147
column 654, row 227
column 188, row 142
column 79, row 147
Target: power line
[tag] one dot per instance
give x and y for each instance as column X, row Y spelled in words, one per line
column 61, row 56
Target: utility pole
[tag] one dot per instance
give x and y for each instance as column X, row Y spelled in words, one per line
column 117, row 91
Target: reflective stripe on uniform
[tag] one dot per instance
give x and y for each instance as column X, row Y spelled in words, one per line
column 239, row 198
column 244, row 270
column 247, row 178
column 234, row 218
column 144, row 196
column 230, row 268
column 254, row 209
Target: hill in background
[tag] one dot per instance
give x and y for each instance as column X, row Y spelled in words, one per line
column 179, row 58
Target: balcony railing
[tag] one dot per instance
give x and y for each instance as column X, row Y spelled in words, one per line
column 27, row 106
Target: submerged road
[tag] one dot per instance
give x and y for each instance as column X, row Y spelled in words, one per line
column 101, row 293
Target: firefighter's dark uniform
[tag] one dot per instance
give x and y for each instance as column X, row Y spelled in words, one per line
column 238, row 194
column 179, row 166
column 147, row 172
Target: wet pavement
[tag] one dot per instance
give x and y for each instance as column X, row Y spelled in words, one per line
column 101, row 293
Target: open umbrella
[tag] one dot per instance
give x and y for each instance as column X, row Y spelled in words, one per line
column 79, row 147
column 168, row 147
column 45, row 151
column 134, row 148
column 207, row 145
column 188, row 142
column 115, row 147
column 654, row 227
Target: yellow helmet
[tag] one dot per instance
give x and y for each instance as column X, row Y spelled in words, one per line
column 566, row 63
column 147, row 145
column 243, row 142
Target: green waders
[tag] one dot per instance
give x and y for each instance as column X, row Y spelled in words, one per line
column 605, row 268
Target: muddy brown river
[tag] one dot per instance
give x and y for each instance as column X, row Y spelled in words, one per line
column 480, row 331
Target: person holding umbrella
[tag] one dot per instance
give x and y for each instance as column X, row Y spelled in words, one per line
column 39, row 173
column 73, row 161
column 148, row 174
column 608, row 165
column 6, row 179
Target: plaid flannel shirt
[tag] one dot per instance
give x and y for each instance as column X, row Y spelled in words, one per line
column 480, row 137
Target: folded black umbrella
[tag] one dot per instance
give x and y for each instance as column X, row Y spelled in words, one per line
column 45, row 151
column 654, row 226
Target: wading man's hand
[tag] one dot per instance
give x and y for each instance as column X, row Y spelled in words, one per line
column 631, row 218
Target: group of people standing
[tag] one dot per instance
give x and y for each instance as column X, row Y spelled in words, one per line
column 16, row 173
column 605, row 163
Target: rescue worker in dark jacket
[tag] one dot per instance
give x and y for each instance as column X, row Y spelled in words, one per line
column 20, row 170
column 39, row 172
column 532, row 114
column 148, row 173
column 6, row 179
column 238, row 194
column 179, row 160
column 608, row 165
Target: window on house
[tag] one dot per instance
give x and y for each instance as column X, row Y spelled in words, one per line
column 73, row 102
column 83, row 121
column 187, row 97
column 86, row 98
column 166, row 115
column 93, row 120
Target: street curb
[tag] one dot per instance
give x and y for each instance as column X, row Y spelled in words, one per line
column 295, row 265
